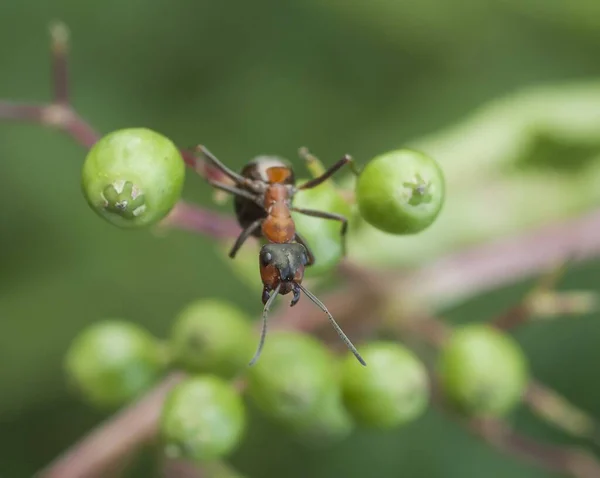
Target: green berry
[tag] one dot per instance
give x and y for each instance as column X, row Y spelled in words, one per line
column 133, row 177
column 112, row 362
column 482, row 370
column 203, row 419
column 392, row 390
column 212, row 336
column 294, row 373
column 322, row 235
column 401, row 192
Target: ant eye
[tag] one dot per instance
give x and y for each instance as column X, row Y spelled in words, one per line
column 304, row 259
column 266, row 258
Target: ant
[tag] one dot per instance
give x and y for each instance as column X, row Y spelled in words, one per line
column 263, row 195
column 264, row 192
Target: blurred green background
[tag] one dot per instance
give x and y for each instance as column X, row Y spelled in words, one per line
column 267, row 77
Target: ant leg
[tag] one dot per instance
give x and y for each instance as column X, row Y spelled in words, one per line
column 211, row 158
column 235, row 191
column 309, row 253
column 245, row 234
column 327, row 215
column 346, row 159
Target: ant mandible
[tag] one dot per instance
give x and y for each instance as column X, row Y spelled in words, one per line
column 263, row 195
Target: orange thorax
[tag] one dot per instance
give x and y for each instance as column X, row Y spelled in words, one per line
column 278, row 226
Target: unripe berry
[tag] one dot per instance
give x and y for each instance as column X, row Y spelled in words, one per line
column 401, row 192
column 392, row 390
column 482, row 370
column 294, row 373
column 133, row 177
column 203, row 419
column 212, row 336
column 322, row 235
column 112, row 362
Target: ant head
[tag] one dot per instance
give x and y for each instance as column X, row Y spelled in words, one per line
column 282, row 264
column 282, row 271
column 270, row 169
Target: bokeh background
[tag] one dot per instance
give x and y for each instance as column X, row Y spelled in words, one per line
column 268, row 76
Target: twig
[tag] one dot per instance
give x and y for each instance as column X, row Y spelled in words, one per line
column 570, row 461
column 60, row 114
column 497, row 433
column 21, row 111
column 189, row 217
column 122, row 434
column 558, row 411
column 484, row 267
column 59, row 35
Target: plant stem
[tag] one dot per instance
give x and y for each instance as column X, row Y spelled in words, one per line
column 114, row 440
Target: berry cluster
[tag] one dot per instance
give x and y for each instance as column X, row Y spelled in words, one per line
column 314, row 394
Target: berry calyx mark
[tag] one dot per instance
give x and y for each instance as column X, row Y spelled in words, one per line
column 420, row 191
column 124, row 198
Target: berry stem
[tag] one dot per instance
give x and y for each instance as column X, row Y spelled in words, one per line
column 59, row 34
column 10, row 110
column 186, row 216
column 558, row 411
column 116, row 439
column 481, row 268
column 570, row 461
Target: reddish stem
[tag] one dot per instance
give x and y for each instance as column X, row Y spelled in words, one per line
column 10, row 110
column 60, row 71
column 189, row 217
column 114, row 440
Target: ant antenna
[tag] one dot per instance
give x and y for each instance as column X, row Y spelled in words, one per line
column 263, row 333
column 337, row 328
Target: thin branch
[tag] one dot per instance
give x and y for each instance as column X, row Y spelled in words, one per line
column 465, row 274
column 558, row 411
column 60, row 114
column 570, row 461
column 522, row 311
column 59, row 34
column 69, row 121
column 500, row 435
column 115, row 439
column 11, row 110
column 192, row 218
